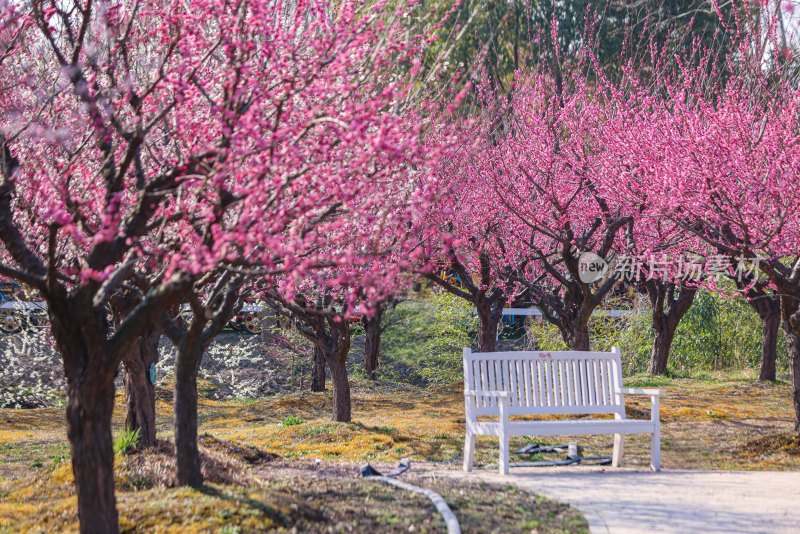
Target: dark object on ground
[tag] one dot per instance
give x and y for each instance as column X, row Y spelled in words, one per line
column 573, row 456
column 368, row 471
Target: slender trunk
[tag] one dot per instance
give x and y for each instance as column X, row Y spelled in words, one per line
column 490, row 312
column 769, row 348
column 578, row 338
column 187, row 453
column 670, row 303
column 318, row 371
column 769, row 310
column 336, row 348
column 665, row 329
column 341, row 390
column 139, row 389
column 790, row 311
column 372, row 342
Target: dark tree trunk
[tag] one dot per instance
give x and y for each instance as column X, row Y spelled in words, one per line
column 90, row 405
column 372, row 342
column 768, row 308
column 90, row 374
column 665, row 329
column 140, row 395
column 790, row 312
column 208, row 320
column 578, row 337
column 336, row 347
column 769, row 348
column 140, row 398
column 670, row 302
column 187, row 365
column 318, row 370
column 341, row 390
column 490, row 313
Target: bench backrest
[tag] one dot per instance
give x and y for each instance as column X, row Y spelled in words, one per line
column 543, row 382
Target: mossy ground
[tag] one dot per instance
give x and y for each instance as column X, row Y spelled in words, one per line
column 716, row 423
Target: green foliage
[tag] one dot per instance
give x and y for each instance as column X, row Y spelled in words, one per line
column 292, row 421
column 453, row 329
column 719, row 333
column 424, row 341
column 500, row 38
column 716, row 333
column 632, row 333
column 127, row 441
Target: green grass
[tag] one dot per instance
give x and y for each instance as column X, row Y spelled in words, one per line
column 127, row 441
column 292, row 421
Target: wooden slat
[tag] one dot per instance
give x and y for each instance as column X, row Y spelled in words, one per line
column 559, row 382
column 484, row 372
column 598, row 383
column 537, row 382
column 588, row 386
column 568, row 381
column 526, row 382
column 548, row 383
column 491, row 376
column 559, row 389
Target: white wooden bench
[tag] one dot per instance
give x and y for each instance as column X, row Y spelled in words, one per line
column 503, row 384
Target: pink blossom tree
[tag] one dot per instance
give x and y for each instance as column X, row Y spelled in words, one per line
column 462, row 249
column 649, row 100
column 543, row 169
column 197, row 134
column 720, row 161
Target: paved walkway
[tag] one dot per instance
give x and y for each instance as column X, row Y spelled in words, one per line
column 628, row 501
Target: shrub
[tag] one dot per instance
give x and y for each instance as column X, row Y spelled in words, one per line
column 716, row 333
column 127, row 441
column 424, row 340
column 292, row 421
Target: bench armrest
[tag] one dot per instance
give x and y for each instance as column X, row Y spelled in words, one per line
column 643, row 391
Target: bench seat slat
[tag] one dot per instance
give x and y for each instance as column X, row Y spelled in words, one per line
column 567, row 428
column 493, row 411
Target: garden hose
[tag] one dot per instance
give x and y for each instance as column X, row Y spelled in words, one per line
column 447, row 514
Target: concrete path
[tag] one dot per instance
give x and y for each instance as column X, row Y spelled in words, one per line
column 628, row 501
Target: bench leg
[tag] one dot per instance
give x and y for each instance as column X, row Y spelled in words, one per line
column 619, row 450
column 504, row 453
column 655, row 450
column 469, row 451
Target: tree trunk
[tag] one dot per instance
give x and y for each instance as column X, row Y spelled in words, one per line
column 790, row 311
column 372, row 342
column 318, row 370
column 139, row 390
column 80, row 334
column 665, row 329
column 336, row 348
column 768, row 308
column 341, row 390
column 490, row 312
column 578, row 338
column 90, row 405
column 670, row 303
column 187, row 453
